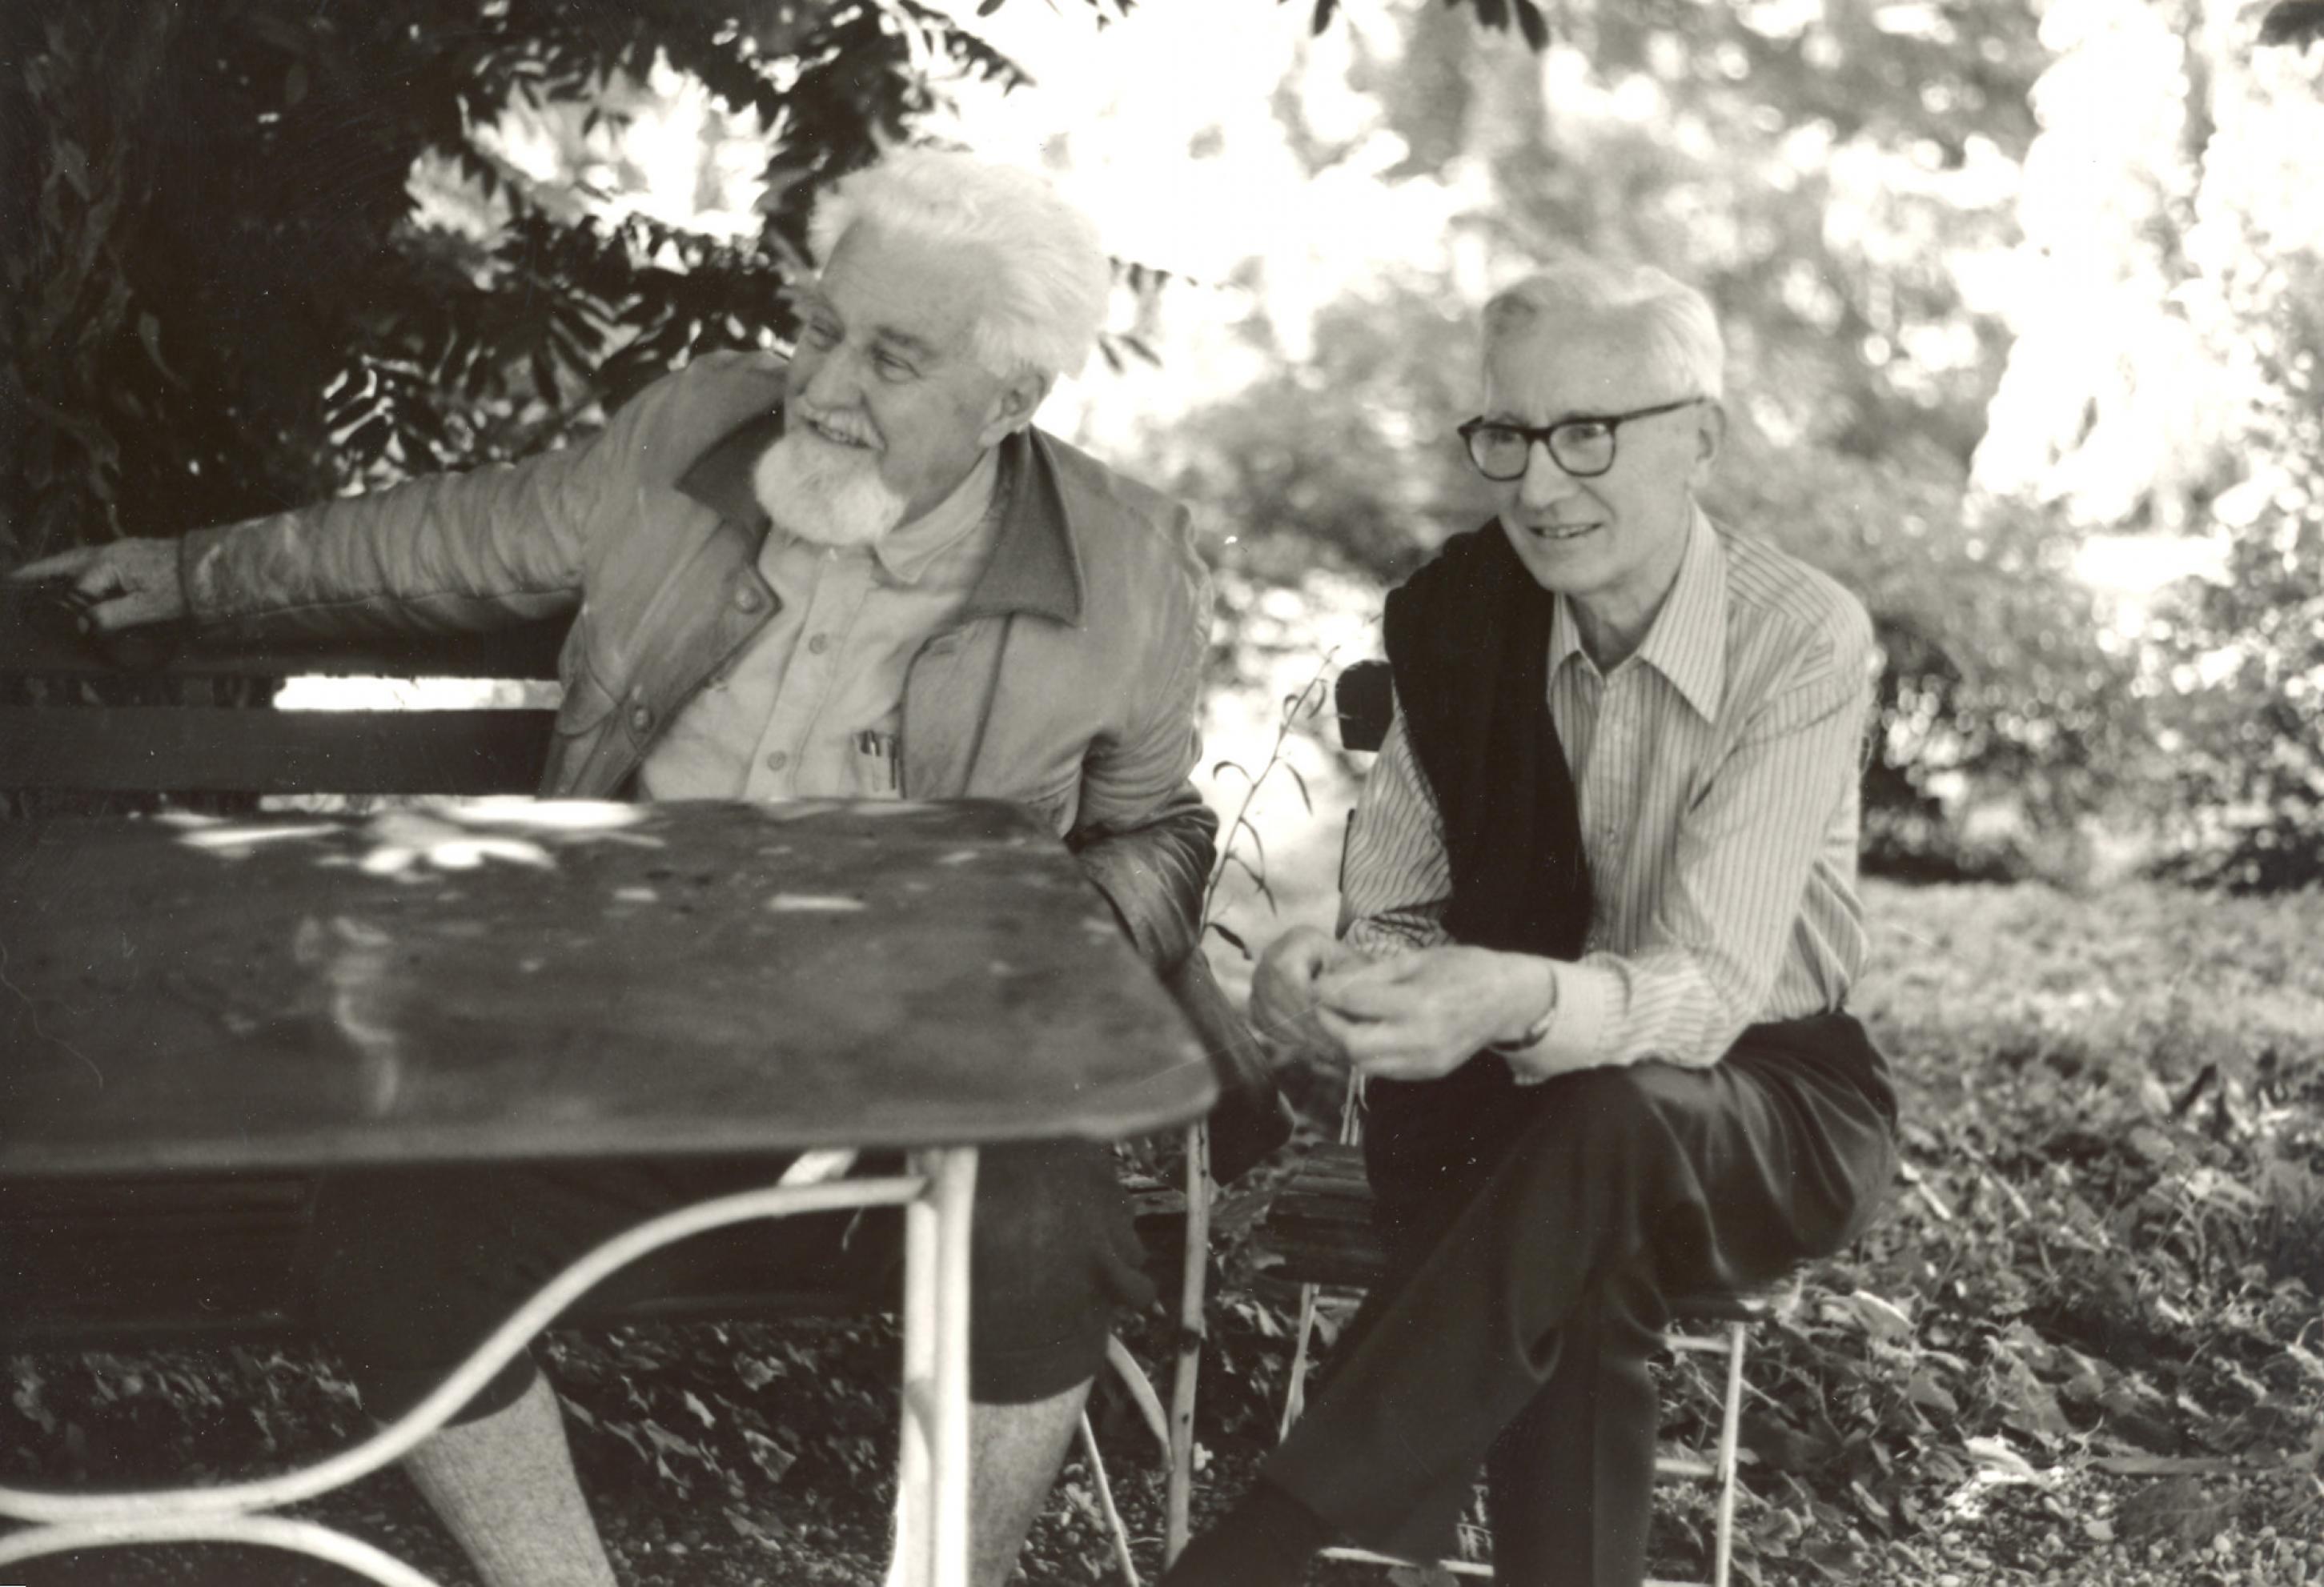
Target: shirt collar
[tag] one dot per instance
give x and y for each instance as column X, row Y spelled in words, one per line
column 1034, row 567
column 905, row 553
column 1688, row 641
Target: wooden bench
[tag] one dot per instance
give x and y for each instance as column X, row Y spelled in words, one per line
column 1318, row 1232
column 149, row 720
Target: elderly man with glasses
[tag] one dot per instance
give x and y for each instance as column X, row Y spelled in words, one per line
column 1601, row 923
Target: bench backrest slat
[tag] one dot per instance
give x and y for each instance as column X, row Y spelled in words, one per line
column 64, row 743
column 37, row 636
column 141, row 748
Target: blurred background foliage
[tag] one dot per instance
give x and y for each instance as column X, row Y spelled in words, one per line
column 2017, row 293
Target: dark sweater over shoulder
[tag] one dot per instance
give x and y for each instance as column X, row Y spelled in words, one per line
column 1468, row 643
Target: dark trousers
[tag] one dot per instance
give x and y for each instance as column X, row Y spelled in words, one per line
column 413, row 1268
column 1536, row 1238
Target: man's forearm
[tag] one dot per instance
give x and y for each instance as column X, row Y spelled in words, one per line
column 1154, row 874
column 447, row 552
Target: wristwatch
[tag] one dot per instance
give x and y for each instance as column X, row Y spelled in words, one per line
column 1536, row 1033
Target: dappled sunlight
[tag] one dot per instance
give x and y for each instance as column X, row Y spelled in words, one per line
column 446, row 835
column 210, row 832
column 564, row 815
column 402, row 840
column 317, row 693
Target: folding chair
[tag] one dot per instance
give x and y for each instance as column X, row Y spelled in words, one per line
column 1251, row 1120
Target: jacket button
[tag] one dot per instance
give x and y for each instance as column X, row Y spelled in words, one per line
column 640, row 717
column 819, row 644
column 747, row 598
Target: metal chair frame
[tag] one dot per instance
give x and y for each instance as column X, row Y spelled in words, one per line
column 1173, row 1429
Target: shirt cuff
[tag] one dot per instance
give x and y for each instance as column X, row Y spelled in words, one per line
column 1586, row 997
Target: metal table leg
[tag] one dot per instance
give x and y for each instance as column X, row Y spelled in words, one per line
column 933, row 1475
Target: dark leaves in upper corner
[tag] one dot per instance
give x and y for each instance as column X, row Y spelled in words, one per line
column 2296, row 22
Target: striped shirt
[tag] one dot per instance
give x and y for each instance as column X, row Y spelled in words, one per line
column 1717, row 774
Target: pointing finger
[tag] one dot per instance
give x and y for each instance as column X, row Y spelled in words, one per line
column 64, row 564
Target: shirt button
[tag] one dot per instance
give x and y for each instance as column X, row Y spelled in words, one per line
column 819, row 644
column 640, row 718
column 747, row 598
column 778, row 760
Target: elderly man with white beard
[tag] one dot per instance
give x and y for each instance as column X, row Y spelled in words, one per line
column 861, row 573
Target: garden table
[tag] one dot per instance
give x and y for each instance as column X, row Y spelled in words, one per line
column 511, row 979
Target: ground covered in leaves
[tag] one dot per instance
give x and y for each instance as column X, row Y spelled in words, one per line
column 2084, row 1346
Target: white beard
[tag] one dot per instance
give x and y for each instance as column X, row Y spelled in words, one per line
column 824, row 492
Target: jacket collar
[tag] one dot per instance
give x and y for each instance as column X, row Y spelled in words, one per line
column 720, row 478
column 1034, row 567
column 1687, row 642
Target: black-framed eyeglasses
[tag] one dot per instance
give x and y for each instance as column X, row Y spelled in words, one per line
column 1583, row 447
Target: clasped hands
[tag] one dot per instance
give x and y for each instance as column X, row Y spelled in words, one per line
column 1411, row 1016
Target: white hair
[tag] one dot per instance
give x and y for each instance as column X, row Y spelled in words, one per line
column 1683, row 339
column 1051, row 279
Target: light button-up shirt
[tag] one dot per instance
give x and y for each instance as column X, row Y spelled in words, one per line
column 1716, row 770
column 814, row 708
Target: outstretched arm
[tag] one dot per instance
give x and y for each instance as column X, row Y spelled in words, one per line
column 496, row 544
column 122, row 584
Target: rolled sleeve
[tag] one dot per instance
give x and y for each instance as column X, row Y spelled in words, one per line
column 1588, row 999
column 1396, row 881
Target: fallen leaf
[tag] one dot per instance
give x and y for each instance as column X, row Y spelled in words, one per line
column 1996, row 1455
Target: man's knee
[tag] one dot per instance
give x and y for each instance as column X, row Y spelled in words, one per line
column 1055, row 1255
column 1617, row 1110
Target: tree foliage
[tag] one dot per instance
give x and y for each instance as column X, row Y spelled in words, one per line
column 2164, row 381
column 220, row 300
column 226, row 296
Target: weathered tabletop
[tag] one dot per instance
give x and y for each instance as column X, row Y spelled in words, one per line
column 511, row 978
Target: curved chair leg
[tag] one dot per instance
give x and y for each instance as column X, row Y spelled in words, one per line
column 1141, row 1392
column 311, row 1539
column 1105, row 1502
column 1192, row 1273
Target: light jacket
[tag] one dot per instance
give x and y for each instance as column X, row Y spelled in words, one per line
column 1069, row 683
